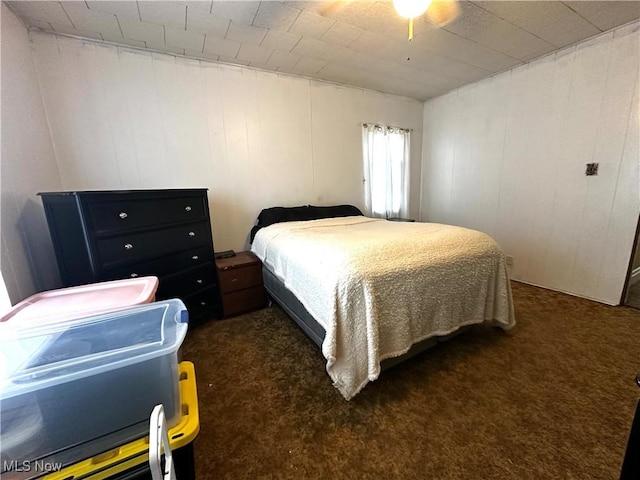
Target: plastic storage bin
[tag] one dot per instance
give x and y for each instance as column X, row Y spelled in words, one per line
column 87, row 383
column 130, row 461
column 74, row 302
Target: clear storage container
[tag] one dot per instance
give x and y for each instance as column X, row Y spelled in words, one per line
column 88, row 382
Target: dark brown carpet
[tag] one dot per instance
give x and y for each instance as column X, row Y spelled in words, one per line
column 552, row 399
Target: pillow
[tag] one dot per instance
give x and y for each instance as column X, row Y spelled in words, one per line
column 335, row 211
column 272, row 215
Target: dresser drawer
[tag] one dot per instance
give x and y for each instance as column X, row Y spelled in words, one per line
column 240, row 278
column 242, row 301
column 132, row 248
column 163, row 266
column 187, row 282
column 108, row 217
column 203, row 303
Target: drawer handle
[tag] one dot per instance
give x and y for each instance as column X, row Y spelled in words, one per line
column 203, row 303
column 123, row 215
column 187, row 208
column 199, row 282
column 195, row 257
column 128, row 246
column 133, row 275
column 192, row 234
column 234, row 279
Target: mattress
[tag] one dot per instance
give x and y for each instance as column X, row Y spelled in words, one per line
column 376, row 287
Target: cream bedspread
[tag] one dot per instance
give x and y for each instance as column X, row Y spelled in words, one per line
column 377, row 287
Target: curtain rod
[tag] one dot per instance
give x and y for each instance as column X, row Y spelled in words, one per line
column 387, row 126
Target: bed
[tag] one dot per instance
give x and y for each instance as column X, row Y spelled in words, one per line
column 371, row 292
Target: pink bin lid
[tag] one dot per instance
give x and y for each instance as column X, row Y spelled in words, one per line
column 83, row 300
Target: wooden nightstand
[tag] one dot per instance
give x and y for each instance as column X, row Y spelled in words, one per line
column 241, row 285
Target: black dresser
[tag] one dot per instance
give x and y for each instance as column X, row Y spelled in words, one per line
column 108, row 235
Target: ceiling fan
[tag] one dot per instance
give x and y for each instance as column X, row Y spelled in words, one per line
column 437, row 12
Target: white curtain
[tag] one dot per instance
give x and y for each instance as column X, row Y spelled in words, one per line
column 386, row 170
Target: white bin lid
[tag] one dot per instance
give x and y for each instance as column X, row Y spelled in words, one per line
column 82, row 301
column 34, row 357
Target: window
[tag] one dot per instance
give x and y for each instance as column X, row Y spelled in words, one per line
column 386, row 170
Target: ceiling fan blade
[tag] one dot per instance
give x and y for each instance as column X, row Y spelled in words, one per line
column 333, row 7
column 441, row 12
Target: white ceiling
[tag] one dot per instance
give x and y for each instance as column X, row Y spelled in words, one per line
column 363, row 43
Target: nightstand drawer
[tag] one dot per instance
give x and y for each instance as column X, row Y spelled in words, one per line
column 240, row 278
column 115, row 216
column 246, row 300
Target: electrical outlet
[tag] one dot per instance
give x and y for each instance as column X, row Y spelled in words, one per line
column 509, row 260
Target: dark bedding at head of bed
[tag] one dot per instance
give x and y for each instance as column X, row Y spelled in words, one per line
column 272, row 215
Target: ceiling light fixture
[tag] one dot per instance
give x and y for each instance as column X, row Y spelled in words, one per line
column 411, row 9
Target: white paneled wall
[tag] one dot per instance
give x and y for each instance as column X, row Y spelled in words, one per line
column 127, row 119
column 28, row 166
column 507, row 156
